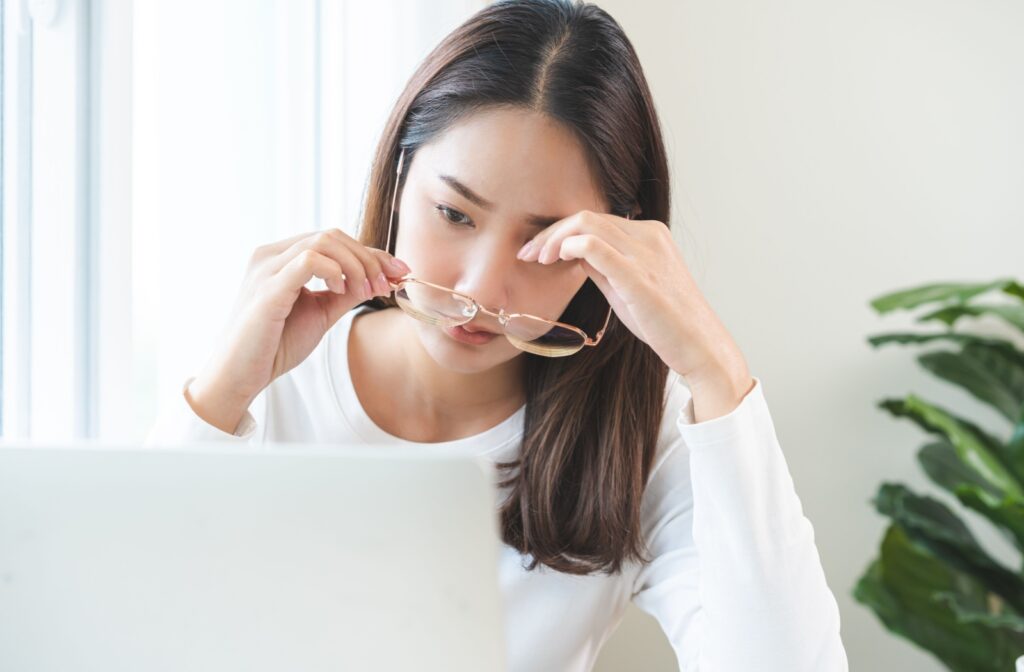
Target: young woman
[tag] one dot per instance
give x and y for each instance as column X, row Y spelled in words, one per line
column 515, row 290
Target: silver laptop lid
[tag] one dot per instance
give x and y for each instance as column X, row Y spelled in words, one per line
column 248, row 558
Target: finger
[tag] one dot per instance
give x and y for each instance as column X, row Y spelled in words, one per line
column 333, row 305
column 363, row 270
column 547, row 243
column 320, row 241
column 390, row 265
column 393, row 266
column 354, row 263
column 358, row 278
column 277, row 247
column 373, row 269
column 353, row 274
column 604, row 258
column 301, row 269
column 626, row 225
column 378, row 265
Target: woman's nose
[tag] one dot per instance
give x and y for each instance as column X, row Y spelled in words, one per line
column 488, row 274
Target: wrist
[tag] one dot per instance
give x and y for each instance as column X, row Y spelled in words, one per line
column 718, row 387
column 222, row 408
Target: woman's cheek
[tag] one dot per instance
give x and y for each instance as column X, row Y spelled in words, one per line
column 435, row 242
column 552, row 288
column 423, row 251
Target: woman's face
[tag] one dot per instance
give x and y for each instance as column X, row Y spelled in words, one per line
column 474, row 196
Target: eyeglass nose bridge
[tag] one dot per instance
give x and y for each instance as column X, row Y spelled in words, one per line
column 474, row 307
column 502, row 316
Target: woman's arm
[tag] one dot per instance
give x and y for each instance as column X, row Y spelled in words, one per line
column 735, row 582
column 179, row 423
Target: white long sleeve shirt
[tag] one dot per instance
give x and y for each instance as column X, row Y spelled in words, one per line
column 735, row 581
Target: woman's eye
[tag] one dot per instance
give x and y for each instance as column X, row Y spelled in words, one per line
column 454, row 216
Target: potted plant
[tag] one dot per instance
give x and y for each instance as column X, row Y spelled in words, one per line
column 932, row 582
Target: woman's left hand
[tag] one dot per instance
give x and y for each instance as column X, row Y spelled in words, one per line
column 640, row 270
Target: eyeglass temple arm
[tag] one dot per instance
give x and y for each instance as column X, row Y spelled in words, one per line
column 597, row 338
column 394, row 196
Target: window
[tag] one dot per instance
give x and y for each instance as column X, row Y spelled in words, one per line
column 148, row 147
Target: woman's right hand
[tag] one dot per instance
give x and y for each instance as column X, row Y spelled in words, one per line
column 277, row 321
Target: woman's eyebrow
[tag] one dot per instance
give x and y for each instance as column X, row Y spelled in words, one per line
column 536, row 221
column 541, row 221
column 466, row 192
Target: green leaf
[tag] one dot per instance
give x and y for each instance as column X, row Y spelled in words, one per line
column 903, row 587
column 1014, row 289
column 932, row 524
column 953, row 336
column 933, row 583
column 1012, row 314
column 995, row 614
column 990, row 374
column 1015, row 447
column 939, row 460
column 973, row 446
column 1007, row 514
column 915, row 296
column 994, row 357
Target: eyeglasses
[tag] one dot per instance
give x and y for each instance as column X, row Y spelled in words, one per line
column 445, row 307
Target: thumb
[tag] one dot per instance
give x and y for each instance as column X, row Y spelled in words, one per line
column 334, row 305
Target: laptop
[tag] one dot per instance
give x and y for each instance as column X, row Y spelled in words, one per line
column 256, row 558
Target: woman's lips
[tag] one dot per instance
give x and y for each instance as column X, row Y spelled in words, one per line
column 468, row 337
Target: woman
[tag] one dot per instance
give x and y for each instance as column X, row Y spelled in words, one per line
column 515, row 290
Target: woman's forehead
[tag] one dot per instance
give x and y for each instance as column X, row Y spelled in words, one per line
column 513, row 158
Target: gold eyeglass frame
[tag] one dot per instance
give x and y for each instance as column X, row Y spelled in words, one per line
column 503, row 317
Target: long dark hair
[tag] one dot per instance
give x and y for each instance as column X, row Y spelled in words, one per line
column 592, row 419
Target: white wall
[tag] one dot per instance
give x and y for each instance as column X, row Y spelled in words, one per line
column 823, row 153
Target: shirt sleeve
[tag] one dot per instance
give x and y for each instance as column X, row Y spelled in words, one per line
column 735, row 579
column 177, row 424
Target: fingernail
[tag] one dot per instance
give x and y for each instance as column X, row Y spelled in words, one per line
column 341, row 285
column 524, row 250
column 367, row 290
column 382, row 284
column 398, row 266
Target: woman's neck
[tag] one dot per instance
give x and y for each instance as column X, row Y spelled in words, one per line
column 435, row 401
